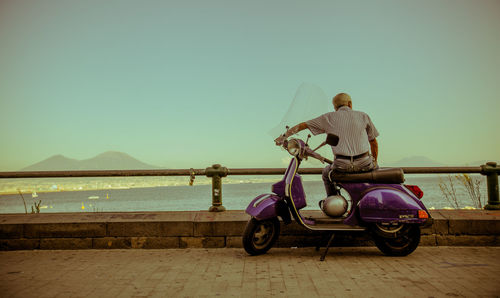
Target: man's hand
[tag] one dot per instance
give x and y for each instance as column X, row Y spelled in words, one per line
column 281, row 139
column 374, row 148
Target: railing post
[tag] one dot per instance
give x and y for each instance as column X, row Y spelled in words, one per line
column 491, row 170
column 216, row 172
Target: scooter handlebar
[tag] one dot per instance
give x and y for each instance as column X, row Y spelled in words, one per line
column 283, row 142
column 311, row 153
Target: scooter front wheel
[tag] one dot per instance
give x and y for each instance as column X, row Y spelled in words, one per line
column 402, row 243
column 260, row 235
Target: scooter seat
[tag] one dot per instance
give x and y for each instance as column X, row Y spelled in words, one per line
column 385, row 175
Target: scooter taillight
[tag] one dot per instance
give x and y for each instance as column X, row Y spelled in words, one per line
column 422, row 214
column 415, row 190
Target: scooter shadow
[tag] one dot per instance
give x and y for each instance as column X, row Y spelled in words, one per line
column 311, row 252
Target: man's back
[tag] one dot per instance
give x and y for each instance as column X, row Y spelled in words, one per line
column 354, row 129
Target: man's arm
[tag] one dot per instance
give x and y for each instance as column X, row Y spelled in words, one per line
column 299, row 127
column 296, row 129
column 374, row 148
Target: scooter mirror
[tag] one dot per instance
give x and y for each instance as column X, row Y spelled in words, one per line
column 332, row 139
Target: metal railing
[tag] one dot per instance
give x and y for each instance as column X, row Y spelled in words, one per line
column 217, row 172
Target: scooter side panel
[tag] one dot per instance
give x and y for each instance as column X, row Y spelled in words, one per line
column 389, row 205
column 298, row 194
column 263, row 206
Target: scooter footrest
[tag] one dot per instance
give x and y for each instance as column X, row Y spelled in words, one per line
column 310, row 219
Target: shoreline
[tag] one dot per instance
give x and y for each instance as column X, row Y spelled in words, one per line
column 204, row 183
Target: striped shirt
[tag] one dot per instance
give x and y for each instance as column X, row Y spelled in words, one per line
column 354, row 129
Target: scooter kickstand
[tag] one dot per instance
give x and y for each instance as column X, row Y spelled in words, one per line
column 327, row 247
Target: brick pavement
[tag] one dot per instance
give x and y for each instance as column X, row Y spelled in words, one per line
column 347, row 272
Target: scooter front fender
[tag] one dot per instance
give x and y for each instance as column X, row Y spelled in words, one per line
column 264, row 206
column 390, row 205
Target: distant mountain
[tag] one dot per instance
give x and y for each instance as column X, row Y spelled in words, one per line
column 481, row 162
column 111, row 160
column 414, row 161
column 422, row 161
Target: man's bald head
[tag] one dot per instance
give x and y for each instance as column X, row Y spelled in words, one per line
column 340, row 100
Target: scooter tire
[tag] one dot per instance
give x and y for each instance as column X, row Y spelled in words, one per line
column 403, row 244
column 260, row 235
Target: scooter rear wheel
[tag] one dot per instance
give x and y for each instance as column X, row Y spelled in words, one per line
column 403, row 243
column 260, row 235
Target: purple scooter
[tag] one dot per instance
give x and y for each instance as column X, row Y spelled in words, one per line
column 380, row 204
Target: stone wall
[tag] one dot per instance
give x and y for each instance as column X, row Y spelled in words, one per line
column 202, row 229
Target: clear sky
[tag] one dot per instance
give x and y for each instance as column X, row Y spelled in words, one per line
column 185, row 84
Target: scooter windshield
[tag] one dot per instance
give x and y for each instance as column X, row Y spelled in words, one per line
column 309, row 102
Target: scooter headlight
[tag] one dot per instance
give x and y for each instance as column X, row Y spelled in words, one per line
column 293, row 147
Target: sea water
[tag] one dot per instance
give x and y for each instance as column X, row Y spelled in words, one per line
column 174, row 194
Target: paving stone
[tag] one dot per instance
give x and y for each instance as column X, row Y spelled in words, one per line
column 19, row 244
column 202, row 242
column 65, row 243
column 474, row 227
column 440, row 224
column 226, row 216
column 98, row 217
column 60, row 230
column 234, row 242
column 219, row 228
column 155, row 229
column 112, row 242
column 467, row 240
column 215, row 229
column 470, row 214
column 346, row 272
column 11, row 231
column 228, row 223
column 155, row 242
column 428, row 240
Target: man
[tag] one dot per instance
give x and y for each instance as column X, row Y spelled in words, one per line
column 356, row 136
